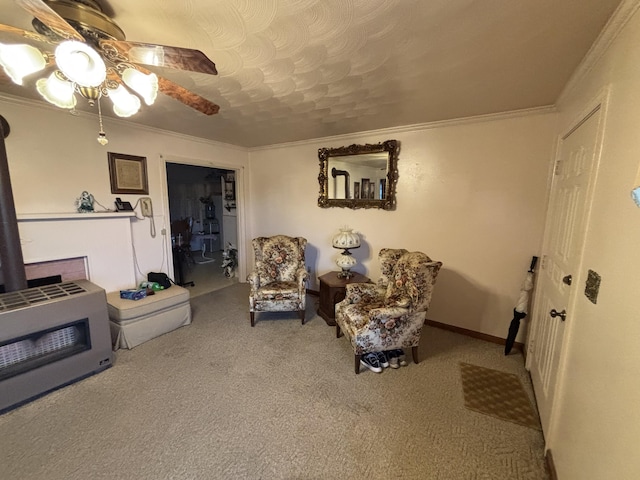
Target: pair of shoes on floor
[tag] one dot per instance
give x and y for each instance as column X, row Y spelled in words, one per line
column 374, row 361
column 396, row 358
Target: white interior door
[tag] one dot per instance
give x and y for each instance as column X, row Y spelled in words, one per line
column 559, row 278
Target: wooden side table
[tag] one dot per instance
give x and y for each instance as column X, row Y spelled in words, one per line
column 332, row 291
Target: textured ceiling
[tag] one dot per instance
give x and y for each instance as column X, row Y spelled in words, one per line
column 298, row 69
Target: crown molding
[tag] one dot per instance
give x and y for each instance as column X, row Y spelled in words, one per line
column 609, row 33
column 347, row 137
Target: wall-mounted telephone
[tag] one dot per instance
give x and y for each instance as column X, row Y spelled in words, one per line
column 146, row 207
column 123, row 206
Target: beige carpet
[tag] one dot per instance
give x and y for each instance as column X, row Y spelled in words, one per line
column 220, row 400
column 498, row 394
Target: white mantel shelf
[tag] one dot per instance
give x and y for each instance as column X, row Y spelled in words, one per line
column 26, row 217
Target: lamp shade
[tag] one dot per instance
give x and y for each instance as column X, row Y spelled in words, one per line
column 80, row 63
column 124, row 103
column 20, row 60
column 145, row 85
column 56, row 90
column 346, row 238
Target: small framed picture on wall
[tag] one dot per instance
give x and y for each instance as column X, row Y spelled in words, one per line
column 356, row 190
column 128, row 174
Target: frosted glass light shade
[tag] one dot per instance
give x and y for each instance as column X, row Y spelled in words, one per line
column 346, row 238
column 124, row 104
column 20, row 60
column 57, row 91
column 145, row 85
column 80, row 63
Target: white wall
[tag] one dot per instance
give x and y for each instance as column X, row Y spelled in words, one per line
column 54, row 156
column 470, row 194
column 597, row 429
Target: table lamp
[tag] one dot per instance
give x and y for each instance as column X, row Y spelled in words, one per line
column 346, row 239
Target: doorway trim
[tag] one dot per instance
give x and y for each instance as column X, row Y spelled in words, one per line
column 240, row 203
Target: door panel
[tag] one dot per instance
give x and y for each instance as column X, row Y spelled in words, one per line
column 562, row 255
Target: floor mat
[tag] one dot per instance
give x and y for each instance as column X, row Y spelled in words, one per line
column 498, row 394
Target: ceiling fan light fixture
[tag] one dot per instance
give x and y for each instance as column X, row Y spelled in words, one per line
column 90, row 93
column 124, row 103
column 80, row 63
column 20, row 60
column 145, row 85
column 56, row 90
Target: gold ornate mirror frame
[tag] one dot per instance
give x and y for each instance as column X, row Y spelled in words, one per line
column 346, row 167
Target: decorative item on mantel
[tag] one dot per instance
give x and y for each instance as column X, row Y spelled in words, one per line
column 84, row 203
column 346, row 239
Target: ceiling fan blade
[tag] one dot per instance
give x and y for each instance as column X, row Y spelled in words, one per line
column 183, row 95
column 159, row 55
column 46, row 15
column 23, row 33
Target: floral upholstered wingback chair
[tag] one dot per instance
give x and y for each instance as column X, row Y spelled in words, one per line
column 278, row 283
column 389, row 314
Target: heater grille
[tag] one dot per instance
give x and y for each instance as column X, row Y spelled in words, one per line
column 24, row 298
column 40, row 348
column 51, row 336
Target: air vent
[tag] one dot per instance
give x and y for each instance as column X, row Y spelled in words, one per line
column 31, row 296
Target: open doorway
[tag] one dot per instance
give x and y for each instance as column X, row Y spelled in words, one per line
column 204, row 227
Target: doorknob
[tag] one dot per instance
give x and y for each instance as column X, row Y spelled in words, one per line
column 562, row 314
column 567, row 279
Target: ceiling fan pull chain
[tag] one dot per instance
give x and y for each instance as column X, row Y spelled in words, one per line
column 102, row 137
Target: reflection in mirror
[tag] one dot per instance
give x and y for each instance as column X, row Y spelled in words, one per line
column 359, row 176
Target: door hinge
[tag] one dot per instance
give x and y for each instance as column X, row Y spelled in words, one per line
column 543, row 263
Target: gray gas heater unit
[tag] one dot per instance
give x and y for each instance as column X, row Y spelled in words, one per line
column 51, row 336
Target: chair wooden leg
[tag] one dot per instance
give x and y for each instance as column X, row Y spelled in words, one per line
column 253, row 319
column 358, row 364
column 338, row 331
column 302, row 316
column 414, row 353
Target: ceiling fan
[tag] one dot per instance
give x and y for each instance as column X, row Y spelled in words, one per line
column 91, row 57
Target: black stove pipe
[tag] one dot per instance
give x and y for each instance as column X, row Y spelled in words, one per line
column 11, row 258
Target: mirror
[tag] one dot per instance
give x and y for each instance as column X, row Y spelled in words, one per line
column 359, row 176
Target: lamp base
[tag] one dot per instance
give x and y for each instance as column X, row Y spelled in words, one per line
column 346, row 262
column 345, row 274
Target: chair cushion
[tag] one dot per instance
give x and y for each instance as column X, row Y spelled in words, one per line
column 121, row 310
column 278, row 291
column 358, row 313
